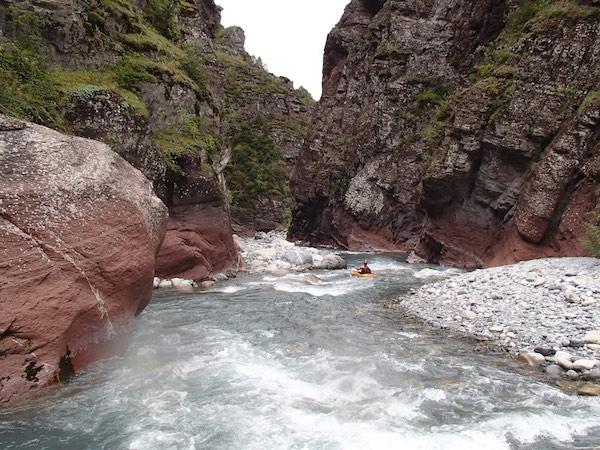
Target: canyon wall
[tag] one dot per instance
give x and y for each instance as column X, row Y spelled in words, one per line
column 175, row 94
column 459, row 132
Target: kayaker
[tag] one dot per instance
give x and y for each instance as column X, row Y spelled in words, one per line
column 365, row 269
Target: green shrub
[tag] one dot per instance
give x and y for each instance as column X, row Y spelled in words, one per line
column 256, row 169
column 192, row 136
column 191, row 63
column 304, row 96
column 592, row 241
column 163, row 15
column 130, row 73
column 29, row 90
column 388, row 51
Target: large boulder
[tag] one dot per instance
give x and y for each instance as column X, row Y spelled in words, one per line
column 79, row 231
column 199, row 240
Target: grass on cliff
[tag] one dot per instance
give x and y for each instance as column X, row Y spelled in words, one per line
column 256, row 169
column 534, row 15
column 592, row 241
column 192, row 136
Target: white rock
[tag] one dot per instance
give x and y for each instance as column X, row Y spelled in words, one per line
column 156, row 283
column 165, row 284
column 497, row 329
column 208, row 284
column 571, row 296
column 183, row 285
column 266, row 253
column 532, row 359
column 593, row 337
column 329, row 262
column 276, row 272
column 563, row 359
column 469, row 314
column 297, row 257
column 311, row 279
column 585, row 364
column 539, row 282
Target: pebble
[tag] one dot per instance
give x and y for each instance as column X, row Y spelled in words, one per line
column 546, row 351
column 585, row 364
column 589, row 390
column 512, row 309
column 533, row 359
column 554, row 371
column 593, row 337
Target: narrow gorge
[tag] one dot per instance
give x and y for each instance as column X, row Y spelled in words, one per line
column 460, row 132
column 195, row 253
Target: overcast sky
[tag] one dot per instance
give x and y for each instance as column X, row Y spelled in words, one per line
column 289, row 35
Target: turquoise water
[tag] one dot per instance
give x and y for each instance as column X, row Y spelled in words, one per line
column 296, row 363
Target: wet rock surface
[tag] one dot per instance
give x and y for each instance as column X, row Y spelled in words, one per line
column 545, row 312
column 80, row 229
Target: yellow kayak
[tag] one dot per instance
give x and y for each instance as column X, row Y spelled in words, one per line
column 362, row 275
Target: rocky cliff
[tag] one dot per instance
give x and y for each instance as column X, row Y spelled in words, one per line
column 80, row 228
column 176, row 95
column 462, row 132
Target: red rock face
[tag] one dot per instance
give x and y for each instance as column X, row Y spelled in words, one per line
column 198, row 243
column 79, row 231
column 199, row 238
column 442, row 134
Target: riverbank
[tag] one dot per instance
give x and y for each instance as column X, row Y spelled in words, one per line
column 544, row 312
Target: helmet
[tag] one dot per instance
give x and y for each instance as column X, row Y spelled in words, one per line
column 366, row 262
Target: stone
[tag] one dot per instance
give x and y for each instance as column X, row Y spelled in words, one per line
column 563, row 359
column 571, row 374
column 533, row 359
column 469, row 314
column 576, row 343
column 571, row 296
column 208, row 284
column 298, row 257
column 311, row 279
column 585, row 364
column 329, row 262
column 554, row 371
column 589, row 390
column 276, row 272
column 497, row 329
column 592, row 375
column 593, row 337
column 156, row 283
column 545, row 351
column 165, row 284
column 79, row 231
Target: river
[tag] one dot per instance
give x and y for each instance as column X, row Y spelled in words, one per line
column 287, row 363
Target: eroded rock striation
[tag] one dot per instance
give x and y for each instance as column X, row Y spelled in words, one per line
column 462, row 132
column 80, row 228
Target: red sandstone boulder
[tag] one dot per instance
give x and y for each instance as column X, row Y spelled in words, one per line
column 199, row 238
column 79, row 231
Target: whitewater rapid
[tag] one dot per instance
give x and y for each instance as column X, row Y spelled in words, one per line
column 301, row 361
